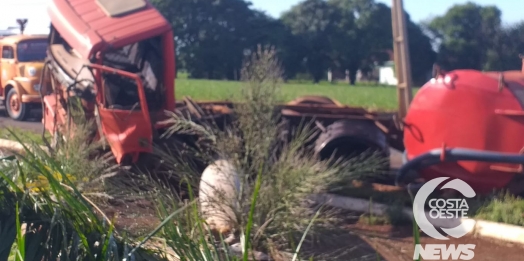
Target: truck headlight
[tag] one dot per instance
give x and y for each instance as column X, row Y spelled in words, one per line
column 31, row 71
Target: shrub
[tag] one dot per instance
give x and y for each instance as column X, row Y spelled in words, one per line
column 504, row 207
column 288, row 171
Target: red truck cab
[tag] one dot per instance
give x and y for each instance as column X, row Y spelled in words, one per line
column 118, row 57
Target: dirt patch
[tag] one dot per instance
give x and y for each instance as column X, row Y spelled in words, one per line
column 354, row 241
column 396, row 243
column 135, row 217
column 362, row 241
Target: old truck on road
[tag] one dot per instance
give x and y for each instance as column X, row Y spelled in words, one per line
column 21, row 63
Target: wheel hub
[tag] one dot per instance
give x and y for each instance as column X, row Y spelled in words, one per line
column 14, row 103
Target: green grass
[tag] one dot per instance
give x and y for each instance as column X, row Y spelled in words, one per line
column 503, row 208
column 368, row 96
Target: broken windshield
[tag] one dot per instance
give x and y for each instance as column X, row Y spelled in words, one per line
column 144, row 58
column 33, row 50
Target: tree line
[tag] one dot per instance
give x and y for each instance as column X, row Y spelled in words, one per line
column 213, row 37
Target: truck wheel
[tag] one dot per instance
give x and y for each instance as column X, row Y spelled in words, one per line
column 14, row 106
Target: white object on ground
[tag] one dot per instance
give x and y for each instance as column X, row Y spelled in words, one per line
column 218, row 191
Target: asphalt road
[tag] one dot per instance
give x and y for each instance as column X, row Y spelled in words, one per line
column 32, row 124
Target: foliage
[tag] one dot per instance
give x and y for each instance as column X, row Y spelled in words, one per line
column 74, row 154
column 314, row 36
column 374, row 32
column 59, row 220
column 55, row 193
column 504, row 208
column 315, row 24
column 213, row 37
column 471, row 36
column 255, row 142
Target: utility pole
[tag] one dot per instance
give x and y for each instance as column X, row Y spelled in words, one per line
column 21, row 23
column 401, row 54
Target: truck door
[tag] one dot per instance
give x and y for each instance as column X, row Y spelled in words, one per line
column 125, row 121
column 7, row 65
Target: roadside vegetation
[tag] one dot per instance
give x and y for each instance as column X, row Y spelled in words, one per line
column 502, row 207
column 67, row 199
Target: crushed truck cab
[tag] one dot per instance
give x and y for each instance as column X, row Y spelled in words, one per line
column 21, row 64
column 117, row 57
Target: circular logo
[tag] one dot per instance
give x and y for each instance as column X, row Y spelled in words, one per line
column 442, row 208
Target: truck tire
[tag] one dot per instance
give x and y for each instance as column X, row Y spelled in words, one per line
column 350, row 138
column 15, row 108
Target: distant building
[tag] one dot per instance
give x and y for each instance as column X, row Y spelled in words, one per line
column 337, row 76
column 387, row 74
column 376, row 74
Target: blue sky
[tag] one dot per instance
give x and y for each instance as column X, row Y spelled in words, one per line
column 35, row 10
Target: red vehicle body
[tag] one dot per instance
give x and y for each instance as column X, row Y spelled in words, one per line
column 99, row 51
column 468, row 124
column 118, row 57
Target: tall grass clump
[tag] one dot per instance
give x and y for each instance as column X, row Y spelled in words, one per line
column 64, row 193
column 75, row 154
column 48, row 212
column 267, row 158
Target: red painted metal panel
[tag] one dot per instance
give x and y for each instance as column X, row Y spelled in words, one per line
column 465, row 111
column 89, row 31
column 85, row 26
